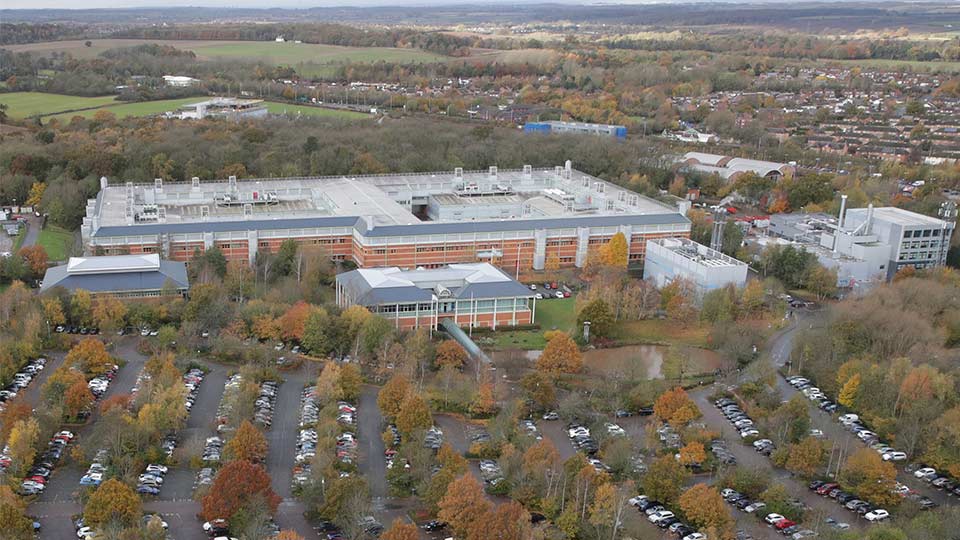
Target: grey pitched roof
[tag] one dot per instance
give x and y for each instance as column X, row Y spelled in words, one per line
column 227, row 226
column 151, row 280
column 394, row 230
column 525, row 224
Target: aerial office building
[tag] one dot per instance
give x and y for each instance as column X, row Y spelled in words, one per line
column 471, row 295
column 556, row 126
column 868, row 246
column 123, row 276
column 516, row 219
column 678, row 258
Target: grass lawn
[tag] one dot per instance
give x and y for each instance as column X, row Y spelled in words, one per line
column 660, row 331
column 293, row 110
column 56, row 241
column 140, row 108
column 551, row 314
column 25, row 104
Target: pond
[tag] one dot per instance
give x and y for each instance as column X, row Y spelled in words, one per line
column 632, row 361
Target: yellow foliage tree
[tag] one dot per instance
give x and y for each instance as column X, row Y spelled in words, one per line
column 848, row 394
column 693, row 453
column 615, row 252
column 705, row 508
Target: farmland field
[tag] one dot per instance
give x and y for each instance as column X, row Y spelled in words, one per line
column 140, row 108
column 266, row 51
column 25, row 104
column 292, row 110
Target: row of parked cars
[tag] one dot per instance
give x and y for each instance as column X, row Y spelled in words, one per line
column 35, row 481
column 96, row 470
column 581, row 439
column 151, row 480
column 99, row 384
column 740, row 420
column 853, row 423
column 433, row 438
column 263, row 414
column 491, row 472
column 75, row 329
column 21, row 380
column 935, row 479
column 781, row 524
column 663, row 518
column 309, row 415
column 848, row 500
column 225, row 408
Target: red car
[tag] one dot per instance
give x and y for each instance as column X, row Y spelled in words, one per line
column 783, row 524
column 826, row 488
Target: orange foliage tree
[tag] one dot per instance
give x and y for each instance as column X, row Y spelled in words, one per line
column 561, row 355
column 237, row 484
column 676, row 407
column 464, row 505
column 450, row 353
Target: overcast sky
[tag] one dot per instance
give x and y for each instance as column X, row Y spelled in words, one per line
column 93, row 4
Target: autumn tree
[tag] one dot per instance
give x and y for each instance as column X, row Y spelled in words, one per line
column 401, row 530
column 414, row 415
column 77, row 398
column 328, row 384
column 81, row 304
column 540, row 389
column 113, row 503
column 238, row 484
column 464, row 505
column 848, row 393
column 293, row 321
column 507, row 520
column 89, row 356
column 693, row 453
column 23, row 440
column 561, row 355
column 53, row 311
column 806, row 457
column 675, row 407
column 349, row 382
column 14, row 524
column 288, row 534
column 705, row 508
column 665, row 478
column 36, row 259
column 871, row 478
column 392, row 395
column 600, row 315
column 450, row 353
column 614, row 253
column 109, row 313
column 247, row 444
column 15, row 411
column 486, row 400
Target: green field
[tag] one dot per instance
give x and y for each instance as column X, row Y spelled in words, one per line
column 56, row 242
column 267, row 51
column 26, row 104
column 140, row 108
column 275, row 107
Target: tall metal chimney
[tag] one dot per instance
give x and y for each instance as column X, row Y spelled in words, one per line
column 840, row 219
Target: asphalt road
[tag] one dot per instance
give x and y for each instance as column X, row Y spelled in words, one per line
column 370, row 425
column 31, row 231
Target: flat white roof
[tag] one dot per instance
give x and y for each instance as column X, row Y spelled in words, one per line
column 897, row 215
column 113, row 264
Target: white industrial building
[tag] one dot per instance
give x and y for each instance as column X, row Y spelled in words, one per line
column 707, row 269
column 869, row 245
column 221, row 107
